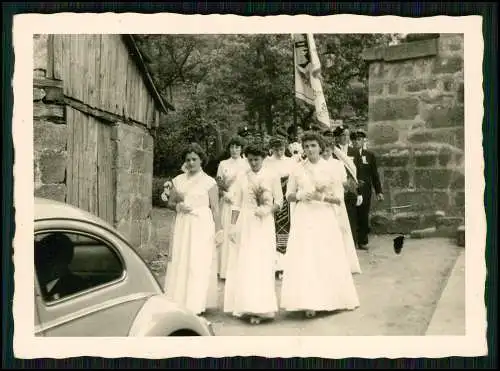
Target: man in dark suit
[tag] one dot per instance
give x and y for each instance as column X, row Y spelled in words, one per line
column 344, row 152
column 366, row 165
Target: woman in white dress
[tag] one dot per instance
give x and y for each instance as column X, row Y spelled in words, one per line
column 281, row 166
column 191, row 279
column 250, row 283
column 317, row 275
column 343, row 218
column 227, row 174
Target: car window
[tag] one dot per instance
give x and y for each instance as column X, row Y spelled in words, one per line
column 67, row 263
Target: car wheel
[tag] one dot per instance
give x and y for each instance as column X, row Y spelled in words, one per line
column 184, row 333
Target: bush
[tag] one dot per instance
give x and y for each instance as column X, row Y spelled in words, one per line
column 158, row 190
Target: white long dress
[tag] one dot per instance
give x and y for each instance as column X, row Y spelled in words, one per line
column 191, row 279
column 317, row 275
column 343, row 218
column 250, row 281
column 281, row 168
column 228, row 169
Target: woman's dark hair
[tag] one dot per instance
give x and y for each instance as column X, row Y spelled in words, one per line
column 256, row 149
column 237, row 141
column 310, row 136
column 195, row 148
column 277, row 142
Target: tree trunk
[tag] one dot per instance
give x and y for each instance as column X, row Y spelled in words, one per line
column 218, row 140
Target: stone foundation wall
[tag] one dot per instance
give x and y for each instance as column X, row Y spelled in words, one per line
column 50, row 134
column 134, row 179
column 416, row 129
column 49, row 128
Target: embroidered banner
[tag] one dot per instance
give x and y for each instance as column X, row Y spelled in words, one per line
column 282, row 221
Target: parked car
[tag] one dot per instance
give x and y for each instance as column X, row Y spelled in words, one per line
column 89, row 281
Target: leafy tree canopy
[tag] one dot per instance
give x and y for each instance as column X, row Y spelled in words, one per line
column 219, row 83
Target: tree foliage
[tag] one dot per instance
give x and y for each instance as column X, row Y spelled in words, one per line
column 219, row 83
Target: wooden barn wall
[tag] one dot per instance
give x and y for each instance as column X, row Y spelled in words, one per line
column 90, row 173
column 98, row 71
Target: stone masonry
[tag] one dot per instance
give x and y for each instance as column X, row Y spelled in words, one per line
column 50, row 131
column 416, row 129
column 134, row 179
column 133, row 163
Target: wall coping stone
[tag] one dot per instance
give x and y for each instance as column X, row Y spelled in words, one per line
column 404, row 51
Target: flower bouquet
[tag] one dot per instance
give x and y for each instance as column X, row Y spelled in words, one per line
column 350, row 186
column 167, row 188
column 261, row 195
column 263, row 200
column 321, row 186
column 177, row 196
column 224, row 182
column 219, row 237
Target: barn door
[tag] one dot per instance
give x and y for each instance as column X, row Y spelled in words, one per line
column 90, row 173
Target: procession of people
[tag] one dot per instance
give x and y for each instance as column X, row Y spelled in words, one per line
column 296, row 209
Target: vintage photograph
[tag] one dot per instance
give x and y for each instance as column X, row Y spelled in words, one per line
column 249, row 184
column 263, row 180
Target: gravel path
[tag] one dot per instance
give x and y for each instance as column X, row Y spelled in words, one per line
column 398, row 293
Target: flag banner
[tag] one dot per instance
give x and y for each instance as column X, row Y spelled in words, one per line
column 308, row 76
column 282, row 221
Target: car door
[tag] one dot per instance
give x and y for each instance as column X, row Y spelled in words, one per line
column 37, row 301
column 114, row 286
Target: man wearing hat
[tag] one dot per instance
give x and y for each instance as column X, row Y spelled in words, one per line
column 344, row 152
column 369, row 178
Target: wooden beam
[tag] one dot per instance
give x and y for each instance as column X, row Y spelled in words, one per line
column 41, row 82
column 107, row 117
column 102, row 115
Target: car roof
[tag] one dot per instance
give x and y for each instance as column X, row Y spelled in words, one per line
column 51, row 209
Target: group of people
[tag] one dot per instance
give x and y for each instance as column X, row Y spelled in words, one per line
column 313, row 191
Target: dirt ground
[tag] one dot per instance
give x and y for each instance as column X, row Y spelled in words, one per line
column 398, row 293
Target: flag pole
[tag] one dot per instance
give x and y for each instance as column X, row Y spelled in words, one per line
column 293, row 95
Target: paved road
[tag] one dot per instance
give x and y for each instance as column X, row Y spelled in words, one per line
column 398, row 295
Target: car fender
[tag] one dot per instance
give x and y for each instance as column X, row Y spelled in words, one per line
column 159, row 316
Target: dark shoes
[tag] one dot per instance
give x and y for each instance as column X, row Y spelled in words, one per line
column 363, row 247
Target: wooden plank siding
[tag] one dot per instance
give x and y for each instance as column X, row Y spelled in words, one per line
column 90, row 173
column 98, row 71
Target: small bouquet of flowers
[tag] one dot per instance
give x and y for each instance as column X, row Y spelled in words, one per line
column 261, row 195
column 351, row 186
column 224, row 182
column 180, row 200
column 263, row 199
column 167, row 188
column 219, row 237
column 321, row 186
column 177, row 196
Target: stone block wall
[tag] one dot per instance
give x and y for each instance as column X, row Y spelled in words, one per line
column 416, row 127
column 134, row 179
column 50, row 131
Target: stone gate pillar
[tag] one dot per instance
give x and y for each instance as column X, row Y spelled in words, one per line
column 416, row 129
